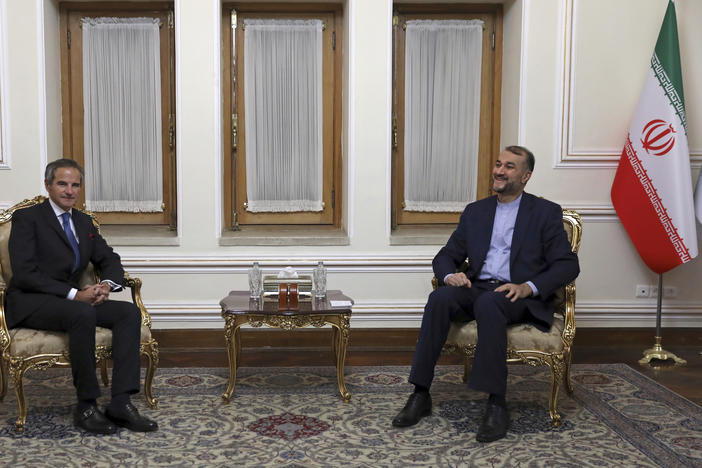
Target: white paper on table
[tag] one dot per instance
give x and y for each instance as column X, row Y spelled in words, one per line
column 341, row 303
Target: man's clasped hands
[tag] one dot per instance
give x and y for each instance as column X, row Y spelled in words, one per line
column 94, row 294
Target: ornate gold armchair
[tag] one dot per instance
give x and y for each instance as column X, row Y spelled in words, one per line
column 22, row 349
column 525, row 343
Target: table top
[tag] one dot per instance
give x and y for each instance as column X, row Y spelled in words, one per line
column 239, row 303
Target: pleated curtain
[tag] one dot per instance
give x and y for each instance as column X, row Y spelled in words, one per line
column 283, row 119
column 442, row 113
column 122, row 114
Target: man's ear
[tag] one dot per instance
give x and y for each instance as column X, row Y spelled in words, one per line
column 526, row 177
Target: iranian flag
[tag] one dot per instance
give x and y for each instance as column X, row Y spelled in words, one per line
column 652, row 189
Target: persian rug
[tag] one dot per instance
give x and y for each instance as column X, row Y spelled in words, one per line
column 293, row 417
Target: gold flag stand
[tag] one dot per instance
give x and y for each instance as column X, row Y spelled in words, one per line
column 657, row 352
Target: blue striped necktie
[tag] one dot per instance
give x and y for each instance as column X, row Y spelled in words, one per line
column 66, row 220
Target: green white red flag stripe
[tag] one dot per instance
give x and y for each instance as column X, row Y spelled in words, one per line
column 652, row 189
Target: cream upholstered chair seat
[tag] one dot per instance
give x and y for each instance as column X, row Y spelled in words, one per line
column 27, row 342
column 526, row 343
column 23, row 349
column 521, row 336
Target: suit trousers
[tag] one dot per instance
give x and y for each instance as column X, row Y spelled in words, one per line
column 79, row 320
column 491, row 310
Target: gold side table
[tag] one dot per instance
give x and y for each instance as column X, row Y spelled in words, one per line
column 239, row 309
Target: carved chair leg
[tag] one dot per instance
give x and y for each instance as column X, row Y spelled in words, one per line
column 150, row 350
column 557, row 367
column 466, row 369
column 3, row 378
column 566, row 374
column 103, row 372
column 17, row 372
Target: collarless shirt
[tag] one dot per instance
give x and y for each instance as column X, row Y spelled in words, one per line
column 496, row 265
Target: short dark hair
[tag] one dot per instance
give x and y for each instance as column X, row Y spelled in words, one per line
column 50, row 172
column 522, row 151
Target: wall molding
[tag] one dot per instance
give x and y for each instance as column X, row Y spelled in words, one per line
column 218, row 127
column 389, row 113
column 398, row 314
column 349, row 200
column 5, row 154
column 566, row 155
column 593, row 212
column 179, row 116
column 523, row 55
column 363, row 263
column 41, row 79
column 638, row 314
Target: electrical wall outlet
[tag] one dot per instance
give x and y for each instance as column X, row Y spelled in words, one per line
column 668, row 291
column 642, row 290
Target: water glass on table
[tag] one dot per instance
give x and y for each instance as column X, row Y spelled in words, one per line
column 255, row 281
column 319, row 275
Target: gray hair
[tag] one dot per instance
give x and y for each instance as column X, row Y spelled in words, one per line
column 50, row 172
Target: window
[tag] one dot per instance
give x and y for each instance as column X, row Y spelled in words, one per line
column 117, row 88
column 446, row 104
column 282, row 101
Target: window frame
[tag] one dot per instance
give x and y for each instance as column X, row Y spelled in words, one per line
column 233, row 111
column 72, row 97
column 490, row 102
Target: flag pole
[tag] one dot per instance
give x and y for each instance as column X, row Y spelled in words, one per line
column 657, row 352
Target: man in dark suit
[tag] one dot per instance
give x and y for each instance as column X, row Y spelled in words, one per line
column 519, row 255
column 50, row 247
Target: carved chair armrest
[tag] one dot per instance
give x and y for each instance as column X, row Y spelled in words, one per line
column 569, row 315
column 462, row 268
column 134, row 284
column 4, row 332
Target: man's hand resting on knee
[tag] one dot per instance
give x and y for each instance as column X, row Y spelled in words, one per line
column 515, row 291
column 458, row 279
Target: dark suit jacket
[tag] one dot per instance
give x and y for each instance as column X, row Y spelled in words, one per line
column 540, row 250
column 42, row 258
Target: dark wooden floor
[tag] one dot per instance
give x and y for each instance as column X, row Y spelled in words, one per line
column 310, row 347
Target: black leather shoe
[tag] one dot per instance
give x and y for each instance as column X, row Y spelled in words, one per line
column 93, row 421
column 418, row 405
column 495, row 423
column 128, row 416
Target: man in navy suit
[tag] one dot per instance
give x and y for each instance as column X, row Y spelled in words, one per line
column 50, row 247
column 519, row 255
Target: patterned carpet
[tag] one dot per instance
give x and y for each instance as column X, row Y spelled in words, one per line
column 294, row 417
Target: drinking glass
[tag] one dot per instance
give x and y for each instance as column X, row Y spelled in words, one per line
column 319, row 275
column 255, row 281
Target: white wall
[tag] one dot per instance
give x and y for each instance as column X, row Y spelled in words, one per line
column 572, row 71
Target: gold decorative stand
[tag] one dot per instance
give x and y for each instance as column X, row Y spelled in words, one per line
column 657, row 352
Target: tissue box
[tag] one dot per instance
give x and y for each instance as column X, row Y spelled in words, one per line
column 271, row 282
